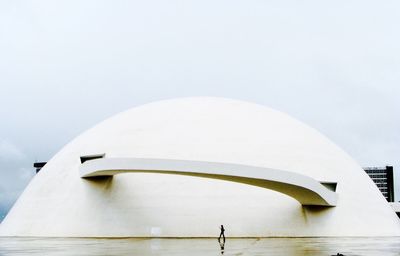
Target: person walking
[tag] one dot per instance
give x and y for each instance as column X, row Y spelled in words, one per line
column 222, row 234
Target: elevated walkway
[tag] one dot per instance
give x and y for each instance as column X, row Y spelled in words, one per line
column 304, row 189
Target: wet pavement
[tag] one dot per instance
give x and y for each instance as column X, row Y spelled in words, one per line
column 265, row 246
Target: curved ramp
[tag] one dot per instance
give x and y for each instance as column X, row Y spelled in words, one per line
column 304, row 189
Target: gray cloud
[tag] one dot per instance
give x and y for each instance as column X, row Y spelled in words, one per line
column 9, row 152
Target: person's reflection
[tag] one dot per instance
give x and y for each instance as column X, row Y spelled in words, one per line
column 222, row 242
column 222, row 245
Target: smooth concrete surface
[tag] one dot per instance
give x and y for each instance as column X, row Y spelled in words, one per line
column 58, row 202
column 304, row 189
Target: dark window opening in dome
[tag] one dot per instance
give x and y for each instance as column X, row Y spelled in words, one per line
column 330, row 185
column 91, row 157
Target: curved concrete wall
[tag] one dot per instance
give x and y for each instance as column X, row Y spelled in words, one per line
column 58, row 202
column 304, row 189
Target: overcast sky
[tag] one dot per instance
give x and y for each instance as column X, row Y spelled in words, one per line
column 66, row 65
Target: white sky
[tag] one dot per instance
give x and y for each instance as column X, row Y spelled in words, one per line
column 66, row 65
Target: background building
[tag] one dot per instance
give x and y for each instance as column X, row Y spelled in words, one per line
column 383, row 178
column 39, row 166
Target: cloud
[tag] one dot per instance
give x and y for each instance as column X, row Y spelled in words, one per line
column 10, row 152
column 7, row 199
column 11, row 186
column 15, row 174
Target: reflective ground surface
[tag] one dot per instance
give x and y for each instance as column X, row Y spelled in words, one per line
column 204, row 247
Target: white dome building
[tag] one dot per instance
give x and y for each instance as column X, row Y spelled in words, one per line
column 186, row 166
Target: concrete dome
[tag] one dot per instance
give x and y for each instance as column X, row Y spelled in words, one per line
column 58, row 202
